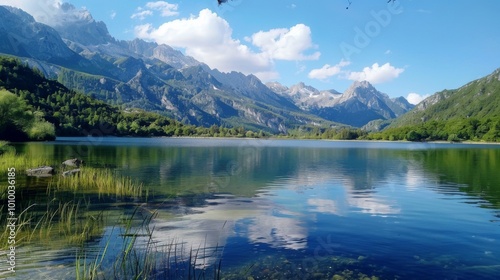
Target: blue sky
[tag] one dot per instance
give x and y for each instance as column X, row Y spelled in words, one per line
column 404, row 47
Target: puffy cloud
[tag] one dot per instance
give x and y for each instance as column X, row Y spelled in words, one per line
column 165, row 8
column 376, row 74
column 415, row 98
column 286, row 44
column 208, row 38
column 328, row 70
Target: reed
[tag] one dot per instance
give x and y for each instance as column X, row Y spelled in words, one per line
column 10, row 158
column 144, row 260
column 63, row 223
column 99, row 181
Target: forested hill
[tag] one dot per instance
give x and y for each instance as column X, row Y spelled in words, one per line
column 73, row 113
column 471, row 112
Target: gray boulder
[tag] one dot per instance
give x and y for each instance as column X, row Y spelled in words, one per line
column 74, row 162
column 42, row 171
column 71, row 172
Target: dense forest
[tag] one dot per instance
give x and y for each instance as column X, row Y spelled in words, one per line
column 35, row 108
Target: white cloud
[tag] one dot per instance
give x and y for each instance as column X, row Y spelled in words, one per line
column 328, row 70
column 286, row 44
column 376, row 74
column 166, row 9
column 388, row 52
column 112, row 15
column 142, row 14
column 415, row 98
column 208, row 38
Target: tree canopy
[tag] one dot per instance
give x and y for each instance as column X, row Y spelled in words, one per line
column 18, row 121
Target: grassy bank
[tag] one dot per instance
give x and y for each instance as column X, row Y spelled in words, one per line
column 60, row 207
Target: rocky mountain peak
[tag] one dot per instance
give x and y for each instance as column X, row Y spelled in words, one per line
column 302, row 89
column 360, row 87
column 23, row 36
column 79, row 26
column 277, row 87
column 362, row 90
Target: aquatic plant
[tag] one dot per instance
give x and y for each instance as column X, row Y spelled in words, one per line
column 140, row 257
column 50, row 213
column 21, row 162
column 64, row 223
column 99, row 181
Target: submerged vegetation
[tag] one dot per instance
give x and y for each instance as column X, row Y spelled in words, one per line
column 61, row 209
column 139, row 257
column 98, row 181
column 59, row 205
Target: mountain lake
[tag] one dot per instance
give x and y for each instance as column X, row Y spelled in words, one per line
column 276, row 209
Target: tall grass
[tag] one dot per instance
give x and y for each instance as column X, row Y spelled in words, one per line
column 100, row 181
column 63, row 223
column 50, row 213
column 9, row 158
column 66, row 221
column 140, row 257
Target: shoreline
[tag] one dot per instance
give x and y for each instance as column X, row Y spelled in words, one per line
column 280, row 138
column 93, row 139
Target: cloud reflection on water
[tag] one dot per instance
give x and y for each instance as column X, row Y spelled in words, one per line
column 210, row 227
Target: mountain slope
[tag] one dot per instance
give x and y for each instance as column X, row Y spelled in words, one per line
column 471, row 112
column 137, row 74
column 23, row 36
column 75, row 114
column 478, row 99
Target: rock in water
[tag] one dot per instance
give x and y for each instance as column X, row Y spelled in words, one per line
column 72, row 162
column 70, row 172
column 42, row 171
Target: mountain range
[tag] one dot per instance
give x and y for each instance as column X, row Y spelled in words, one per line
column 82, row 55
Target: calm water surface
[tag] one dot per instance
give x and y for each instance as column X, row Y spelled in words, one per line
column 284, row 209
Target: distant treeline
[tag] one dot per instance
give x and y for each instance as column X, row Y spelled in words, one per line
column 453, row 130
column 468, row 129
column 337, row 133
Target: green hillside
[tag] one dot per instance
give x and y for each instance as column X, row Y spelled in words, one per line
column 471, row 112
column 35, row 108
